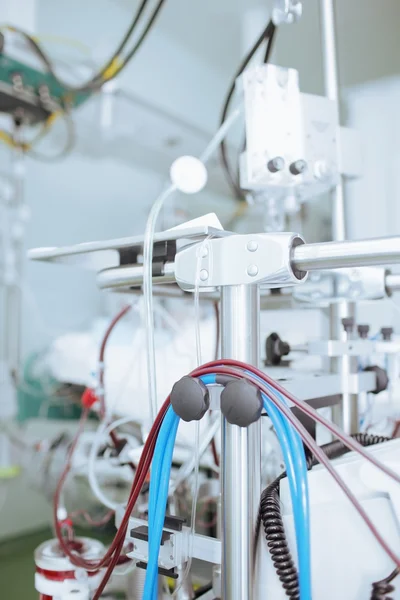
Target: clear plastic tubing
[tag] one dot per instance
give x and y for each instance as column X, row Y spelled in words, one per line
column 148, row 263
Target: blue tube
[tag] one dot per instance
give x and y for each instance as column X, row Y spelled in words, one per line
column 159, row 484
column 209, row 379
column 298, row 491
column 301, row 505
column 156, row 465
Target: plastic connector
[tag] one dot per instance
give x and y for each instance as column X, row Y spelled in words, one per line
column 89, row 398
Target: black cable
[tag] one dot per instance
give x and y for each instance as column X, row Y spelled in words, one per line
column 271, row 517
column 98, row 80
column 267, row 33
column 124, row 40
column 381, row 589
column 203, row 590
column 270, row 44
column 141, row 38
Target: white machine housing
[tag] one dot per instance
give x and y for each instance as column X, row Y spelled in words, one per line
column 345, row 557
column 300, row 130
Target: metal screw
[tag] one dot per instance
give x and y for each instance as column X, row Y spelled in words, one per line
column 298, row 167
column 252, row 246
column 252, row 270
column 203, row 274
column 276, row 164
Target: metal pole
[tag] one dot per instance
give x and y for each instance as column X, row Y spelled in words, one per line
column 241, row 449
column 344, row 309
column 357, row 253
column 392, row 283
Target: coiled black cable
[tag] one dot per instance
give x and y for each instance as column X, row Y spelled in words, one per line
column 381, row 589
column 271, row 518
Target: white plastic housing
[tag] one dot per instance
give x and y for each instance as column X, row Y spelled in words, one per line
column 345, row 557
column 283, row 123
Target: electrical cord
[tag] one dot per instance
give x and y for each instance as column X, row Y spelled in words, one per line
column 112, row 67
column 271, row 517
column 267, row 34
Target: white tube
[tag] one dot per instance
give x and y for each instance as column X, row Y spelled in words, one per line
column 186, row 469
column 148, row 262
column 102, row 432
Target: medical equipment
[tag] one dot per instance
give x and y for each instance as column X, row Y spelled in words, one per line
column 202, row 258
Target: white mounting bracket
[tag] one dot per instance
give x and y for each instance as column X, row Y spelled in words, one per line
column 237, row 260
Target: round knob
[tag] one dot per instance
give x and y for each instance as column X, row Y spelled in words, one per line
column 275, row 164
column 298, row 167
column 241, row 403
column 363, row 331
column 387, row 333
column 348, row 324
column 190, row 399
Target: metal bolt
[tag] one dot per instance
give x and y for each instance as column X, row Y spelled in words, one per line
column 298, row 167
column 252, row 246
column 252, row 270
column 203, row 274
column 276, row 164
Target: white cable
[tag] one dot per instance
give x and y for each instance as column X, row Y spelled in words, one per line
column 194, row 461
column 148, row 296
column 148, row 262
column 187, row 468
column 220, row 135
column 102, row 432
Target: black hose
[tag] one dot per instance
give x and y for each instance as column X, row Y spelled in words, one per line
column 266, row 34
column 381, row 589
column 271, row 518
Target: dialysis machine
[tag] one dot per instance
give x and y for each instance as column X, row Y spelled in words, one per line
column 322, row 529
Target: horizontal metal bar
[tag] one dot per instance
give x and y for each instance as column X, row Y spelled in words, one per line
column 132, row 276
column 392, row 283
column 337, row 255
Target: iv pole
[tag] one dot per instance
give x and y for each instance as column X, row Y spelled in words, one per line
column 345, row 414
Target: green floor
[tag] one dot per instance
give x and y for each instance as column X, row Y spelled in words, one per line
column 17, row 566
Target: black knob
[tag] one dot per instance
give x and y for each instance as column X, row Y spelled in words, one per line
column 363, row 331
column 276, row 164
column 387, row 333
column 275, row 348
column 190, row 398
column 348, row 324
column 241, row 403
column 298, row 167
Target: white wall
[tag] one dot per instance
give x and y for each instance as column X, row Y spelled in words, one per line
column 373, row 201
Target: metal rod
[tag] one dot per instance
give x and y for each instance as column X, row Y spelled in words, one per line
column 337, row 255
column 339, row 233
column 241, row 449
column 329, row 56
column 392, row 283
column 132, row 276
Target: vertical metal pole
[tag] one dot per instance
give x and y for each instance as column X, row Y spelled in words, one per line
column 342, row 414
column 241, row 449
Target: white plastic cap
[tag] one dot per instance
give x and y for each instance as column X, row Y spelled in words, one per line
column 189, row 174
